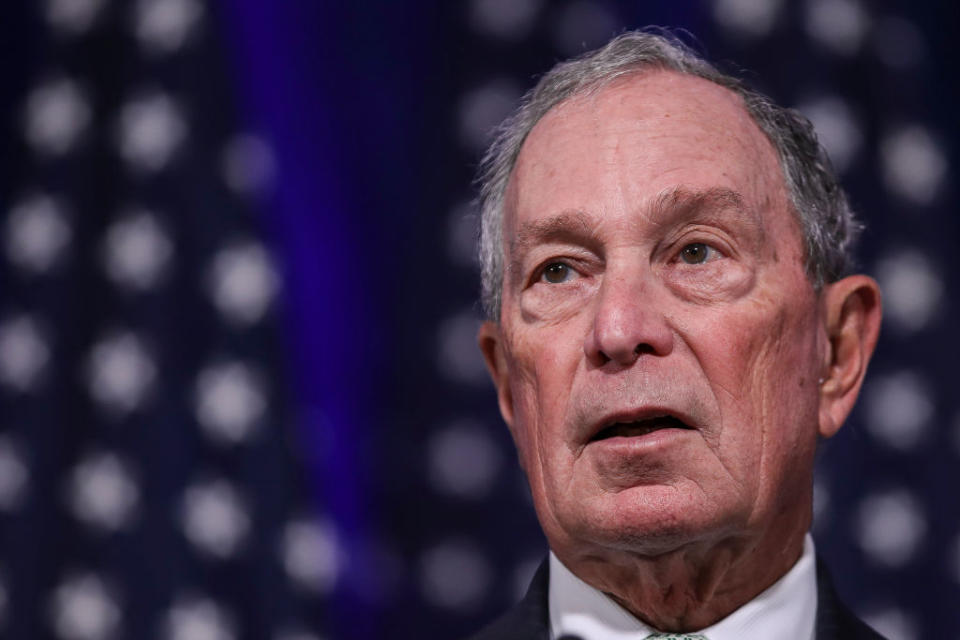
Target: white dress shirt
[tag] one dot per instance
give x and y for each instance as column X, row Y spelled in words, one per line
column 785, row 611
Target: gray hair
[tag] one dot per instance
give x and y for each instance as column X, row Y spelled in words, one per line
column 827, row 222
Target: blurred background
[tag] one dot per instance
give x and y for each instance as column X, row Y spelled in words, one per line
column 239, row 392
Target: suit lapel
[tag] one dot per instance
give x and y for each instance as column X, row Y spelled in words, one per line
column 529, row 620
column 834, row 620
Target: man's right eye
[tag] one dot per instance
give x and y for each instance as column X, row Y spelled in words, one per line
column 557, row 272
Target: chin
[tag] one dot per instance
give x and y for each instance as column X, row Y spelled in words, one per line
column 647, row 520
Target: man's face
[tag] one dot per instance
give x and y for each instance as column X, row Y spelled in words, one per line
column 660, row 344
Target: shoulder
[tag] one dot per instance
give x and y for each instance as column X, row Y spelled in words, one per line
column 834, row 619
column 528, row 620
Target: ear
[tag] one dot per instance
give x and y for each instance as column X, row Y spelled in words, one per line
column 491, row 342
column 852, row 311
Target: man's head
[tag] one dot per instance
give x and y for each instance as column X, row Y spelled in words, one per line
column 667, row 333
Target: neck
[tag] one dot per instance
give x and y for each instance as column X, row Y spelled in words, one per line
column 692, row 587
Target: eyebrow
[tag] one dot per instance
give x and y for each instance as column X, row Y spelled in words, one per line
column 669, row 205
column 568, row 225
column 680, row 202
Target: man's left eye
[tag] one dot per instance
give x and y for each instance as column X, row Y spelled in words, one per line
column 557, row 272
column 697, row 253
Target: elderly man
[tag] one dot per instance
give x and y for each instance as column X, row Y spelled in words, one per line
column 670, row 330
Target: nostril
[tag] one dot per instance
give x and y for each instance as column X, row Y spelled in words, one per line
column 642, row 348
column 604, row 358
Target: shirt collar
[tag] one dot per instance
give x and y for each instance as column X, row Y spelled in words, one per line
column 786, row 610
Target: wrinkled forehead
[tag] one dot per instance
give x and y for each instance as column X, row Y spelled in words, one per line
column 638, row 137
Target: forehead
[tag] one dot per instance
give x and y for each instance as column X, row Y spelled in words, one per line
column 616, row 149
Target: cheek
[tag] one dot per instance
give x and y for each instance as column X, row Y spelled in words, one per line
column 722, row 281
column 525, row 412
column 554, row 305
column 542, row 378
column 782, row 372
column 763, row 377
column 769, row 347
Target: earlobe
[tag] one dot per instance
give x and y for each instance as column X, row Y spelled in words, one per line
column 851, row 314
column 490, row 341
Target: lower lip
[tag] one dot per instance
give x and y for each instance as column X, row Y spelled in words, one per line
column 642, row 444
column 624, row 462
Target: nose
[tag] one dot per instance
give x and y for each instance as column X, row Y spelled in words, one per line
column 628, row 323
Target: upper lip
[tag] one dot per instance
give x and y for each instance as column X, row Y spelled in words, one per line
column 637, row 415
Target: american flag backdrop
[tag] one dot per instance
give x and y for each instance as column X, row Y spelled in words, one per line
column 239, row 390
column 152, row 479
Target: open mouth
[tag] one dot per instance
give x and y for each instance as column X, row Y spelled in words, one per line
column 640, row 427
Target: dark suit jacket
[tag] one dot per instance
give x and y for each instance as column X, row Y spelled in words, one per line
column 529, row 620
